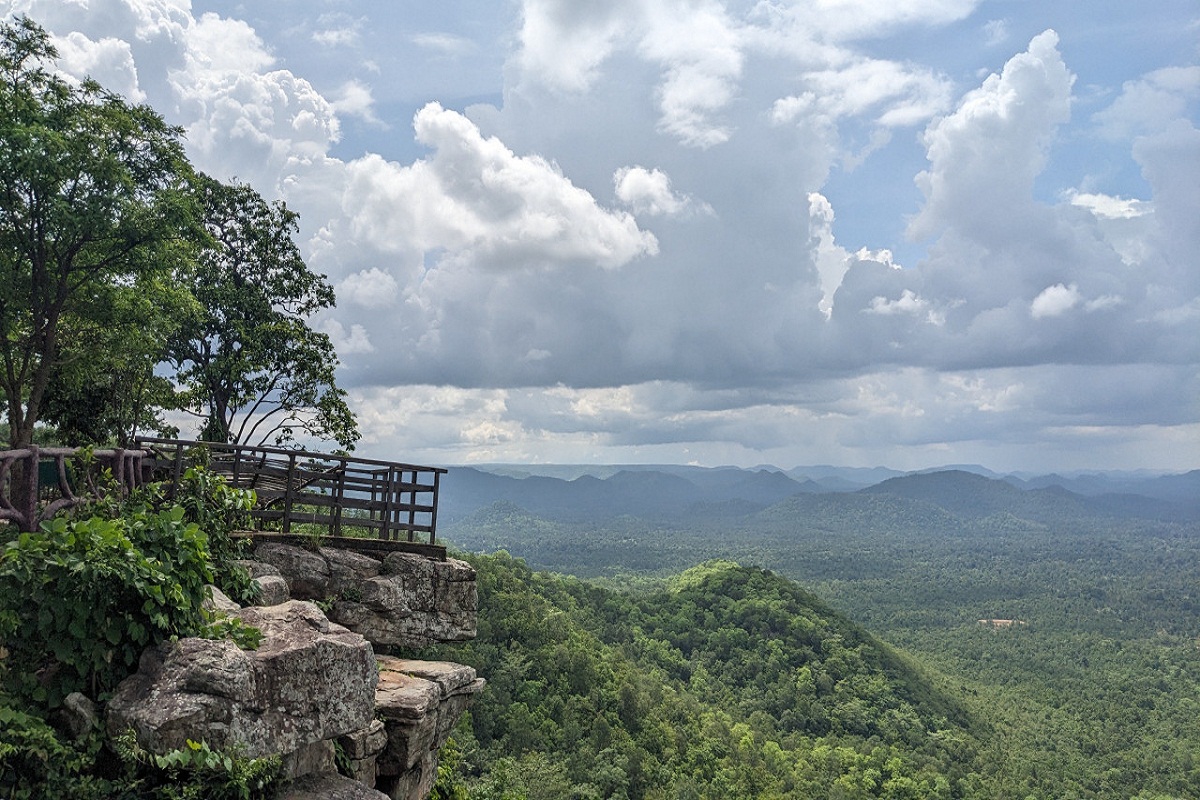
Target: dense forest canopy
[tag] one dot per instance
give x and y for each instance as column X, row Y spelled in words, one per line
column 1063, row 627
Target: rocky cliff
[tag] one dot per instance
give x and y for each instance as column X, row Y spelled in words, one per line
column 315, row 691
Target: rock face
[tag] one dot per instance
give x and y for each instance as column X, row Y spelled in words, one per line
column 314, row 687
column 309, row 682
column 419, row 701
column 405, row 599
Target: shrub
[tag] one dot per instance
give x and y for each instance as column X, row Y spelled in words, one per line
column 83, row 598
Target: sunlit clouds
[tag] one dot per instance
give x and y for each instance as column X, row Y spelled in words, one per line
column 569, row 232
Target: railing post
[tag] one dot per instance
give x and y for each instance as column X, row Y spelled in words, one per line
column 289, row 494
column 389, row 505
column 412, row 507
column 339, row 493
column 434, row 503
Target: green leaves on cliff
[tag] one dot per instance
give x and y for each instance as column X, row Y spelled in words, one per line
column 89, row 595
column 81, row 598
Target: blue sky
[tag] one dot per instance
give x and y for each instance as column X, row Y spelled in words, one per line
column 704, row 231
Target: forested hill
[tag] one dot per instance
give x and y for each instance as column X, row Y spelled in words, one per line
column 677, row 493
column 732, row 682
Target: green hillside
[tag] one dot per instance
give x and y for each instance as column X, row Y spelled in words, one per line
column 1091, row 692
column 732, row 682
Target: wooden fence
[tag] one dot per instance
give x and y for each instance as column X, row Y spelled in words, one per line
column 363, row 497
column 35, row 482
column 297, row 492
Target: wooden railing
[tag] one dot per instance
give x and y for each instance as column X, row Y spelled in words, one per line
column 338, row 496
column 385, row 500
column 35, row 483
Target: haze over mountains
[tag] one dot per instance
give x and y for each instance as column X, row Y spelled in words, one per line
column 575, row 493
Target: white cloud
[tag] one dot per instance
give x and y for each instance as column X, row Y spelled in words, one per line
column 475, row 255
column 484, row 204
column 347, row 342
column 369, row 288
column 1055, row 301
column 338, row 30
column 1108, row 206
column 909, row 302
column 446, row 44
column 648, row 191
column 563, row 43
column 996, row 32
column 895, row 94
column 985, row 156
column 1148, row 104
column 354, row 98
column 851, row 19
column 109, row 61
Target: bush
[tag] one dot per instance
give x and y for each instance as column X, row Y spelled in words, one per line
column 220, row 509
column 83, row 598
column 34, row 763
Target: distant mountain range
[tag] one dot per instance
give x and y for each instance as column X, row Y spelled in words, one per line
column 576, row 493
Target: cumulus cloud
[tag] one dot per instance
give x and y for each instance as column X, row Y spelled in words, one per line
column 370, row 288
column 492, row 308
column 1151, row 102
column 109, row 61
column 482, row 203
column 1055, row 301
column 909, row 302
column 648, row 191
column 894, row 94
column 985, row 155
column 354, row 98
column 352, row 342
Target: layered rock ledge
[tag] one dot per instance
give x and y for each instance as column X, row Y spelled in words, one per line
column 401, row 600
column 419, row 702
column 315, row 687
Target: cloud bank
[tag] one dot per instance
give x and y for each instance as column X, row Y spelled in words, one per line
column 634, row 254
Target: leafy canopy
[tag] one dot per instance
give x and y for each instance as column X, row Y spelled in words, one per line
column 94, row 198
column 249, row 363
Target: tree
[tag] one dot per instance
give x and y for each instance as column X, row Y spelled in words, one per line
column 109, row 388
column 93, row 195
column 248, row 362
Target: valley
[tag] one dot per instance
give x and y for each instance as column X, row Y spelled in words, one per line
column 1093, row 693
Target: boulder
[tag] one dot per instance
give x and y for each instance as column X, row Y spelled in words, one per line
column 328, row 787
column 219, row 602
column 307, row 573
column 405, row 600
column 77, row 717
column 309, row 682
column 272, row 586
column 420, row 702
column 348, row 568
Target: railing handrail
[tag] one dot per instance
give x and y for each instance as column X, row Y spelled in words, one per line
column 289, row 452
column 127, row 471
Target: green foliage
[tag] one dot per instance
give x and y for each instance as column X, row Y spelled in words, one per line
column 195, row 772
column 219, row 510
column 93, row 196
column 89, row 595
column 731, row 683
column 111, row 391
column 36, row 764
column 249, row 364
column 1092, row 697
column 115, row 257
column 244, row 636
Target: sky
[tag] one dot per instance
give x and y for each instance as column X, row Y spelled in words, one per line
column 907, row 234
